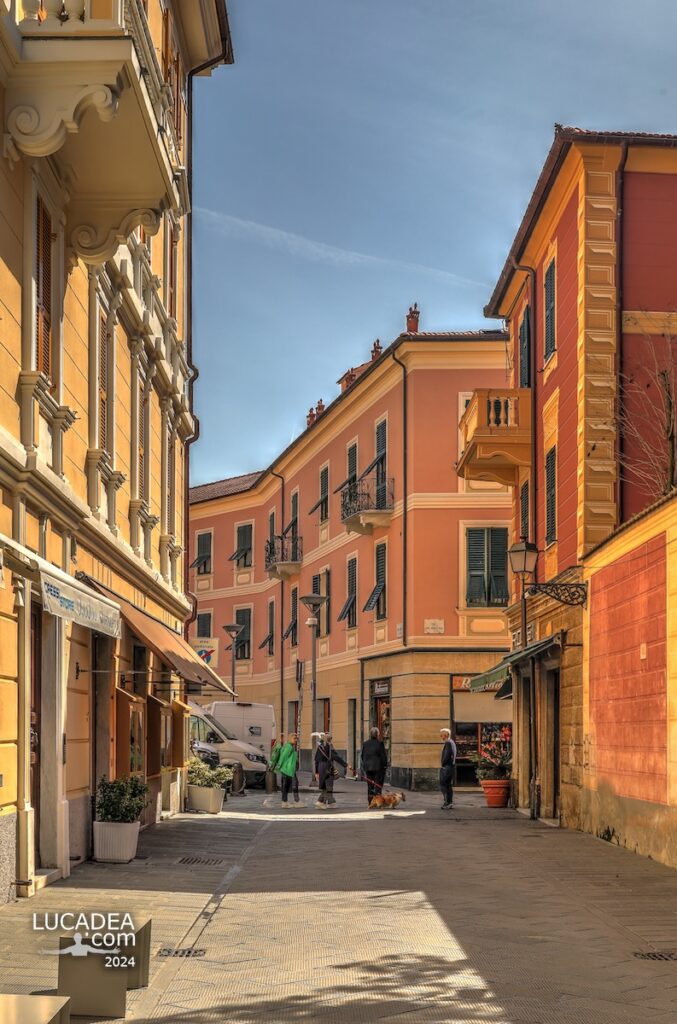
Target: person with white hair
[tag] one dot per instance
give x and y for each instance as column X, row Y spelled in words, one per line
column 447, row 768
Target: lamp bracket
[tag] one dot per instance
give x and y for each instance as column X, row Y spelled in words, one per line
column 565, row 593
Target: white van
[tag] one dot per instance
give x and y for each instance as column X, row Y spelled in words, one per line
column 209, row 736
column 251, row 723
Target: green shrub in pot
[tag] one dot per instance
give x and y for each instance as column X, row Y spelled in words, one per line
column 119, row 806
column 206, row 786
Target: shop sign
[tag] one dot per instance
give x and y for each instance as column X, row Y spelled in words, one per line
column 381, row 688
column 463, row 683
column 79, row 605
column 206, row 648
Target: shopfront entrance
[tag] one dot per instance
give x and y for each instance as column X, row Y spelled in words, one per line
column 36, row 704
column 380, row 711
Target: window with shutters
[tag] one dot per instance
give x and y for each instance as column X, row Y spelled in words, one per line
column 291, row 632
column 171, row 483
column 243, row 640
column 204, row 624
column 377, row 600
column 173, row 72
column 324, row 494
column 203, row 559
column 271, row 526
column 381, row 463
column 551, row 496
column 142, row 451
column 549, row 306
column 43, row 289
column 487, row 566
column 322, row 585
column 525, row 350
column 172, row 269
column 524, row 511
column 271, row 627
column 242, row 555
column 348, row 613
column 103, row 383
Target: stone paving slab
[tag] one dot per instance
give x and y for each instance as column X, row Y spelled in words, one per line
column 349, row 916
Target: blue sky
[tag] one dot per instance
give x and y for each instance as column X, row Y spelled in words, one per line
column 361, row 155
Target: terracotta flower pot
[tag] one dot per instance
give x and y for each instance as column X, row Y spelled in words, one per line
column 497, row 792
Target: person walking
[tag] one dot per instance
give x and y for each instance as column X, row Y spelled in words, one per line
column 374, row 762
column 325, row 758
column 287, row 763
column 447, row 768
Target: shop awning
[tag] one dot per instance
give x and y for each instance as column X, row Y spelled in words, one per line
column 62, row 595
column 499, row 677
column 169, row 646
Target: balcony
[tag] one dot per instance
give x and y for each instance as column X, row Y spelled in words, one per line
column 496, row 435
column 367, row 503
column 283, row 557
column 86, row 89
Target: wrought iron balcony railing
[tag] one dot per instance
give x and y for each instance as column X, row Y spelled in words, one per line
column 372, row 494
column 283, row 551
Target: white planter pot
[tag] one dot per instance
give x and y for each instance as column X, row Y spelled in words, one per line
column 116, row 842
column 204, row 798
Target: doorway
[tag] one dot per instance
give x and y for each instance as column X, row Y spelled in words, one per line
column 380, row 711
column 36, row 702
column 550, row 797
column 352, row 732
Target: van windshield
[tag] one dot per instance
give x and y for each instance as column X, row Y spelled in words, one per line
column 219, row 728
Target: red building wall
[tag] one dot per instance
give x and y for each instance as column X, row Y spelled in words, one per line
column 628, row 702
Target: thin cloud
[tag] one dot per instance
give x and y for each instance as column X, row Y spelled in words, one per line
column 316, row 252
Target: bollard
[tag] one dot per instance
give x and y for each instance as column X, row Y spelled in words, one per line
column 271, row 782
column 238, row 783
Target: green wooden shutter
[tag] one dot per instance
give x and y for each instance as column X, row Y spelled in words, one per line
column 244, row 545
column 295, row 514
column 271, row 526
column 271, row 627
column 524, row 510
column 204, row 624
column 550, row 310
column 381, row 604
column 243, row 617
column 352, row 463
column 498, row 565
column 524, row 351
column 551, row 496
column 316, row 584
column 352, row 591
column 476, row 589
column 324, row 494
column 327, row 606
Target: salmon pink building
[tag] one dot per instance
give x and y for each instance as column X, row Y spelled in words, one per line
column 365, row 508
column 585, row 436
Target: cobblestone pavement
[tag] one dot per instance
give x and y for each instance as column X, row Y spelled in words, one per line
column 346, row 917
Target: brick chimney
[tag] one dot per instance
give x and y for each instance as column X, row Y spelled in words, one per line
column 348, row 378
column 319, row 408
column 310, row 418
column 412, row 319
column 376, row 350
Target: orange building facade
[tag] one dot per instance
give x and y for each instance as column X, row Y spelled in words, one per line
column 588, row 296
column 366, row 509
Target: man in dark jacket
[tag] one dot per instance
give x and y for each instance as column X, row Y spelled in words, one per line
column 325, row 757
column 374, row 759
column 447, row 768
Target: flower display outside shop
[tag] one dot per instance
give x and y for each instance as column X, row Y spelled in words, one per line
column 495, row 761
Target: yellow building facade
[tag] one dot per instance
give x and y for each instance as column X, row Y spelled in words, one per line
column 95, row 412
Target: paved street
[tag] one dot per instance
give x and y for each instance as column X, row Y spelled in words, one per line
column 346, row 917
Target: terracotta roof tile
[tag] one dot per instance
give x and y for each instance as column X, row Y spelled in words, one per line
column 223, row 488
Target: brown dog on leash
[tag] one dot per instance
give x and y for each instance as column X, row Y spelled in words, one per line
column 386, row 800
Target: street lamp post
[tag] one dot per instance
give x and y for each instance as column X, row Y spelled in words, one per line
column 233, row 629
column 523, row 558
column 313, row 603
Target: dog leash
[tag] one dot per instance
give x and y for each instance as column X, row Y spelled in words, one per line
column 365, row 778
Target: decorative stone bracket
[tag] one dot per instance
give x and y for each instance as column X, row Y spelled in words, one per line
column 36, row 399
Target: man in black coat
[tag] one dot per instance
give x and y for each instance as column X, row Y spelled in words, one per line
column 325, row 756
column 447, row 768
column 374, row 759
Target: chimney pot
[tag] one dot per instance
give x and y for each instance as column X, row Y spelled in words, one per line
column 412, row 319
column 310, row 418
column 319, row 408
column 376, row 350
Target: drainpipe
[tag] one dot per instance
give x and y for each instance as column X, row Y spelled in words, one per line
column 282, row 729
column 405, row 445
column 224, row 57
column 620, row 182
column 533, row 722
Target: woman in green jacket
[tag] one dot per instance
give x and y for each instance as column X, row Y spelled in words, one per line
column 286, row 762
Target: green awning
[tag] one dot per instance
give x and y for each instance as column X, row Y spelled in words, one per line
column 505, row 692
column 497, row 676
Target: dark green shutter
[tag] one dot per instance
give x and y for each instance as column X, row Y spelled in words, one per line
column 381, row 580
column 525, row 351
column 324, row 493
column 294, row 616
column 316, row 584
column 327, row 605
column 476, row 591
column 352, row 591
column 381, row 450
column 244, row 545
column 524, row 511
column 352, row 463
column 550, row 310
column 243, row 617
column 295, row 514
column 498, row 565
column 271, row 627
column 271, row 527
column 551, row 496
column 204, row 624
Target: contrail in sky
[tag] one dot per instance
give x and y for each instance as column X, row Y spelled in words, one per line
column 318, row 252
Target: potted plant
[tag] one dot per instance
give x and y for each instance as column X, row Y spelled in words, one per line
column 119, row 805
column 493, row 771
column 207, row 786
